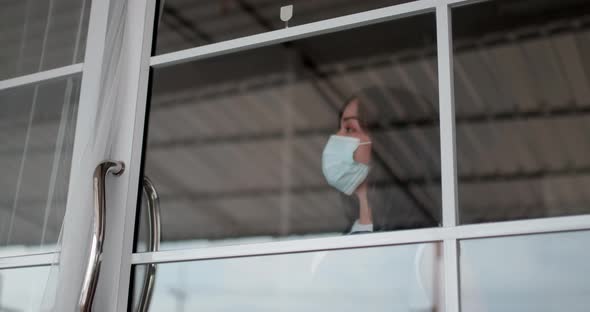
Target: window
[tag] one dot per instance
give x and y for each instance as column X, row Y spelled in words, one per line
column 522, row 102
column 186, row 24
column 235, row 142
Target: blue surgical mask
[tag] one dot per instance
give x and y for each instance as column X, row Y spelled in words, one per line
column 338, row 164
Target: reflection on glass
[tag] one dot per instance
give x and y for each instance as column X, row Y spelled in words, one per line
column 41, row 35
column 532, row 273
column 25, row 289
column 38, row 124
column 235, row 143
column 400, row 278
column 522, row 93
column 186, row 24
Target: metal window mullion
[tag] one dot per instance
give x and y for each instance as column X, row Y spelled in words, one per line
column 488, row 230
column 42, row 76
column 447, row 117
column 36, row 260
column 448, row 154
column 297, row 32
column 452, row 295
column 140, row 18
column 455, row 3
column 85, row 155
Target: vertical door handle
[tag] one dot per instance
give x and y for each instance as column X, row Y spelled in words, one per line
column 93, row 266
column 153, row 214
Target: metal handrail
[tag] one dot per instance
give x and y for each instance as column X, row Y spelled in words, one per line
column 153, row 205
column 93, row 267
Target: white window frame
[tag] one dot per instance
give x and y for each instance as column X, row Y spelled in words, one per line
column 28, row 259
column 71, row 253
column 120, row 257
column 450, row 233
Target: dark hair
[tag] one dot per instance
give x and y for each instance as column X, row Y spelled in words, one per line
column 376, row 113
column 367, row 117
column 361, row 112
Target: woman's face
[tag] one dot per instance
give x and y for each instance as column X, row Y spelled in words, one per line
column 350, row 127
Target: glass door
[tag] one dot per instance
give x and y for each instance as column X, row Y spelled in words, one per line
column 62, row 117
column 307, row 155
column 41, row 81
column 237, row 163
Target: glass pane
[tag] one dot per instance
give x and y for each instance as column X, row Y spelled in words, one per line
column 38, row 124
column 235, row 143
column 522, row 86
column 37, row 35
column 24, row 289
column 185, row 24
column 400, row 278
column 547, row 272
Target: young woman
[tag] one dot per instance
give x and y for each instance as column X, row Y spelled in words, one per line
column 371, row 198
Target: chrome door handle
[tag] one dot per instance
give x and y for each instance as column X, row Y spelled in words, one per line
column 93, row 267
column 153, row 205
